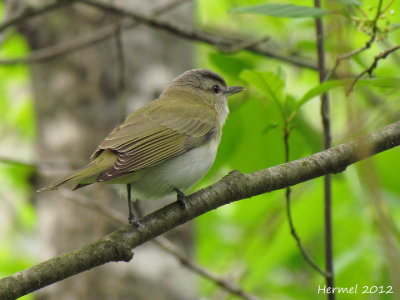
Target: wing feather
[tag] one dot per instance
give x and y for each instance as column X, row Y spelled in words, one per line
column 162, row 131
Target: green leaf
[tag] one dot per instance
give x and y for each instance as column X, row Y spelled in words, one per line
column 268, row 83
column 228, row 64
column 381, row 82
column 283, row 10
column 395, row 26
column 281, row 73
column 270, row 126
column 349, row 2
column 24, row 119
column 384, row 82
column 320, row 89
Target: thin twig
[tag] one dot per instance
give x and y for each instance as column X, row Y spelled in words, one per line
column 325, row 115
column 11, row 10
column 121, row 73
column 395, row 56
column 121, row 68
column 306, row 256
column 387, row 6
column 29, row 13
column 163, row 243
column 86, row 41
column 65, row 47
column 41, row 165
column 297, row 238
column 367, row 45
column 118, row 245
column 227, row 285
column 10, row 161
column 373, row 66
column 224, row 44
column 241, row 45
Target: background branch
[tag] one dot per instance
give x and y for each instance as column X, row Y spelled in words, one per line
column 286, row 134
column 95, row 37
column 326, row 125
column 367, row 45
column 29, row 13
column 120, row 67
column 117, row 245
column 373, row 66
column 224, row 44
column 164, row 244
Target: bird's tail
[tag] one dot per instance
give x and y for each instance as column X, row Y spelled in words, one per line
column 87, row 174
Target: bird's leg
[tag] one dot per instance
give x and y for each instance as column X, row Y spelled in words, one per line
column 131, row 215
column 131, row 218
column 181, row 197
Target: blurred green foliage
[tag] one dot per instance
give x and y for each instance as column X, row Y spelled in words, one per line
column 250, row 240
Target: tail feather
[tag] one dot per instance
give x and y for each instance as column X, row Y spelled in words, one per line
column 70, row 178
column 80, row 185
column 88, row 174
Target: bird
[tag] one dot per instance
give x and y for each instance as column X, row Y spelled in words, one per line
column 164, row 147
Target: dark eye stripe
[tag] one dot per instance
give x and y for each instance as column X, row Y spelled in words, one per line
column 216, row 89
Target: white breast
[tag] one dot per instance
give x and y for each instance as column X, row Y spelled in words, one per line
column 181, row 172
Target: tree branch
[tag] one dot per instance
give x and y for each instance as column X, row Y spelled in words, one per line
column 225, row 284
column 164, row 244
column 373, row 66
column 117, row 245
column 367, row 45
column 87, row 40
column 224, row 44
column 29, row 13
column 326, row 125
column 120, row 57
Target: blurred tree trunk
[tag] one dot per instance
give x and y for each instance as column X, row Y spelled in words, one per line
column 77, row 105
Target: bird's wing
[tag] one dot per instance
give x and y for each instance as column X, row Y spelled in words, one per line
column 148, row 137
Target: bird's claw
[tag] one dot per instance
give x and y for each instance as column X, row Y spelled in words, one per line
column 181, row 198
column 132, row 220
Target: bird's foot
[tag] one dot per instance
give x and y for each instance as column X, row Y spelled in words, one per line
column 131, row 217
column 132, row 220
column 181, row 198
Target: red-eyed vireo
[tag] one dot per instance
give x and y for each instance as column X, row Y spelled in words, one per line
column 166, row 146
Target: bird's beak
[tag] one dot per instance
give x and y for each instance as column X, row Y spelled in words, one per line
column 233, row 90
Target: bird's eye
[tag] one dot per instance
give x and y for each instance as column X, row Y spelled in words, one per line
column 216, row 89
